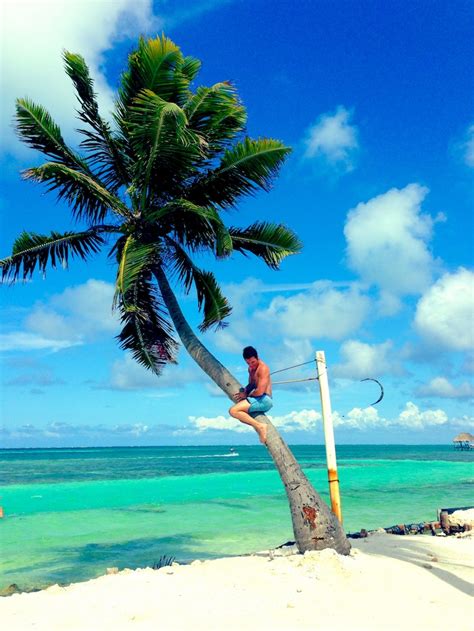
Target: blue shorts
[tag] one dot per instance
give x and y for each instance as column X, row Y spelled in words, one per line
column 262, row 403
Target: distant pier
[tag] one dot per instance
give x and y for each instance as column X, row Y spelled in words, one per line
column 464, row 441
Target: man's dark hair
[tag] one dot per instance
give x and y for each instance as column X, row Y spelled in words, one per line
column 248, row 352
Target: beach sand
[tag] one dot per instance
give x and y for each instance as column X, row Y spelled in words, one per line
column 388, row 582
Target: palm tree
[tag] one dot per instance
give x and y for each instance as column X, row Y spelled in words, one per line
column 153, row 186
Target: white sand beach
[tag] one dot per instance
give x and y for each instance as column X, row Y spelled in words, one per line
column 388, row 582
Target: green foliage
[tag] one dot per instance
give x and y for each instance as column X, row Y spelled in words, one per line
column 270, row 242
column 87, row 198
column 135, row 260
column 105, row 151
column 31, row 251
column 38, row 130
column 209, row 295
column 248, row 166
column 146, row 331
column 156, row 180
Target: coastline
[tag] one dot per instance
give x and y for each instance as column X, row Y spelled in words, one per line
column 387, row 582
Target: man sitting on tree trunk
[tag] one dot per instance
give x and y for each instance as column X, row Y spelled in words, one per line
column 259, row 388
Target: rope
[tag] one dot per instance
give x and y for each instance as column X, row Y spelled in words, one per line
column 289, row 367
column 275, row 383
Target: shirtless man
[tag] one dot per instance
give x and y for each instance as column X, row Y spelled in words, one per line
column 259, row 388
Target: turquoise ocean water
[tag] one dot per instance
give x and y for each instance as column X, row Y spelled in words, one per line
column 71, row 513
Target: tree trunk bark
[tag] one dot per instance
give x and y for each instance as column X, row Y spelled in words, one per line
column 315, row 527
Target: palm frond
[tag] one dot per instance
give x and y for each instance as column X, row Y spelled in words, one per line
column 31, row 251
column 211, row 300
column 88, row 198
column 194, row 226
column 146, row 331
column 270, row 242
column 156, row 65
column 217, row 114
column 249, row 165
column 165, row 148
column 190, row 67
column 38, row 130
column 104, row 150
column 135, row 257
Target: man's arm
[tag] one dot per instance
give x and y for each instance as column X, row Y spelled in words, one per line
column 262, row 377
column 245, row 392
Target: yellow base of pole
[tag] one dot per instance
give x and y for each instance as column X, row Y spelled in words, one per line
column 334, row 494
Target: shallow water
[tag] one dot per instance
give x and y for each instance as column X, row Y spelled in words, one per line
column 71, row 513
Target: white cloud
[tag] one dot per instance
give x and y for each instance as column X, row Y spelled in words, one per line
column 334, row 139
column 226, row 341
column 324, row 312
column 307, row 420
column 34, row 33
column 413, row 418
column 465, row 422
column 60, row 429
column 362, row 360
column 387, row 242
column 302, row 420
column 91, row 301
column 322, row 309
column 300, row 351
column 445, row 313
column 79, row 313
column 76, row 316
column 203, row 423
column 441, row 387
column 127, row 374
column 410, row 418
column 359, row 418
column 23, row 341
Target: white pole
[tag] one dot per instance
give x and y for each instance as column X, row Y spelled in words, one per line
column 328, row 435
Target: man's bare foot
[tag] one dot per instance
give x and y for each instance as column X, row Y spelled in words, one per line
column 262, row 432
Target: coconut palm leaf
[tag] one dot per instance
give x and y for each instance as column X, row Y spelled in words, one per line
column 156, row 65
column 32, row 250
column 270, row 242
column 103, row 149
column 38, row 130
column 146, row 331
column 211, row 301
column 180, row 210
column 87, row 197
column 217, row 114
column 159, row 137
column 190, row 67
column 192, row 225
column 134, row 259
column 250, row 165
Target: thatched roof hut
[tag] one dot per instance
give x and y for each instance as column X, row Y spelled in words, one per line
column 463, row 437
column 465, row 440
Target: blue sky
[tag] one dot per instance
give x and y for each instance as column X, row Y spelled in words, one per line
column 376, row 100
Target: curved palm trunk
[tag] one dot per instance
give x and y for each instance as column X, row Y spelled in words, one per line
column 315, row 527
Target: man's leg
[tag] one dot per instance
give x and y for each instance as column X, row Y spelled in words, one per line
column 240, row 412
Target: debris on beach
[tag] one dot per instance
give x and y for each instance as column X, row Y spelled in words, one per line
column 455, row 521
column 450, row 521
